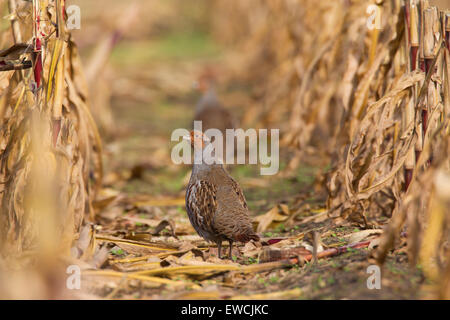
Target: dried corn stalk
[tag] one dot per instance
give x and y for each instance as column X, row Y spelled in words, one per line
column 376, row 100
column 50, row 164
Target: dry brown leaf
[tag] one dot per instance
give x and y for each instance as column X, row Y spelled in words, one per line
column 361, row 235
column 272, row 218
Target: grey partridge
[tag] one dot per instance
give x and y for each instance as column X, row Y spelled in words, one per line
column 215, row 203
column 209, row 110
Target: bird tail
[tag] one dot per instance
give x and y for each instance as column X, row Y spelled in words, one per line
column 246, row 237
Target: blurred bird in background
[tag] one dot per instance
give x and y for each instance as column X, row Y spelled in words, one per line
column 210, row 110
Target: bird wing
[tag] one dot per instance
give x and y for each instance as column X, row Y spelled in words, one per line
column 232, row 218
column 201, row 204
column 240, row 195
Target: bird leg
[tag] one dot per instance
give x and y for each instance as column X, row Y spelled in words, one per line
column 231, row 249
column 219, row 247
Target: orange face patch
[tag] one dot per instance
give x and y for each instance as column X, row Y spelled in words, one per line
column 197, row 139
column 203, row 85
column 206, row 79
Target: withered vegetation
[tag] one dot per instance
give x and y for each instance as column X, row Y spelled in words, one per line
column 363, row 110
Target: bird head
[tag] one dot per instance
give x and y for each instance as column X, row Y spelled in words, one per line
column 198, row 139
column 206, row 80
